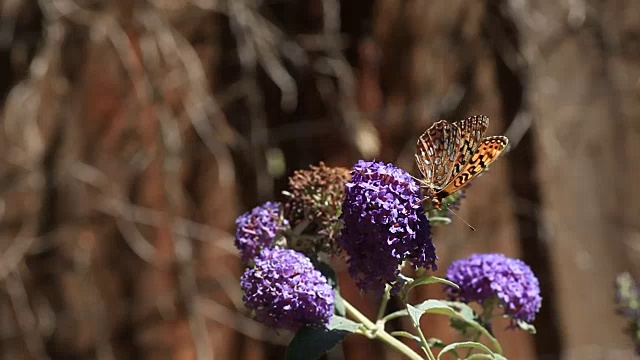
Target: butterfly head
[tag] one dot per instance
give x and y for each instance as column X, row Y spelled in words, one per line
column 434, row 199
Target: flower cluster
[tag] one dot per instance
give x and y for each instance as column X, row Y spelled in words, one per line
column 628, row 302
column 286, row 291
column 383, row 225
column 314, row 202
column 484, row 277
column 373, row 214
column 257, row 229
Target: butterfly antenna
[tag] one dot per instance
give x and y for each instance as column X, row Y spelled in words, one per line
column 458, row 216
column 416, row 179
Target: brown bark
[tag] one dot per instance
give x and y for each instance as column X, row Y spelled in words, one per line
column 585, row 132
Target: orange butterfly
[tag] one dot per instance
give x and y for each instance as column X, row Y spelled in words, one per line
column 450, row 155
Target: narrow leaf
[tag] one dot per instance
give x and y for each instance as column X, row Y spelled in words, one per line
column 463, row 309
column 464, row 344
column 454, row 310
column 406, row 334
column 343, row 324
column 483, row 356
column 436, row 307
column 338, row 302
column 435, row 342
column 424, row 280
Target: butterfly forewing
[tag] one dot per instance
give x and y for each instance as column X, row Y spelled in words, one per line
column 436, row 153
column 488, row 151
column 470, row 132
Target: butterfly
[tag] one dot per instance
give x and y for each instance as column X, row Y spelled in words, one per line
column 450, row 155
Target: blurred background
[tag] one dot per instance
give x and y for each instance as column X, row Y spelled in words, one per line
column 132, row 133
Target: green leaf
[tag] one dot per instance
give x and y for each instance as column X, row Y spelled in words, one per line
column 343, row 324
column 479, row 356
column 415, row 313
column 311, row 343
column 463, row 309
column 486, row 356
column 435, row 307
column 435, row 342
column 407, row 335
column 523, row 325
column 424, row 280
column 460, row 325
column 454, row 310
column 464, row 344
column 338, row 303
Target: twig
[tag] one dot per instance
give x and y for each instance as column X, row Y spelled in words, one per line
column 25, row 317
column 112, row 204
column 247, row 54
column 243, row 325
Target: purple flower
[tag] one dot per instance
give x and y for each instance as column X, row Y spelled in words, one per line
column 286, row 291
column 257, row 229
column 383, row 225
column 482, row 277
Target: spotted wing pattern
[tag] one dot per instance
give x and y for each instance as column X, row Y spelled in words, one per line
column 436, row 154
column 449, row 156
column 470, row 133
column 485, row 154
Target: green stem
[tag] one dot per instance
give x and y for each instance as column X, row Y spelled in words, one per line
column 425, row 344
column 475, row 339
column 380, row 333
column 486, row 316
column 383, row 303
column 487, row 309
column 394, row 315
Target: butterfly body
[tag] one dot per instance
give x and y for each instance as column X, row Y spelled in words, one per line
column 450, row 155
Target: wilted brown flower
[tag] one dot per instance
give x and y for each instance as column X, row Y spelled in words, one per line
column 313, row 207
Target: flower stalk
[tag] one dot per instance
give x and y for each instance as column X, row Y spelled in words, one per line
column 377, row 332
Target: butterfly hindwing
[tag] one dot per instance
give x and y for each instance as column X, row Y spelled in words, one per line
column 487, row 152
column 436, row 153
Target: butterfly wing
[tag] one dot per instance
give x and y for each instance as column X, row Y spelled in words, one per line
column 470, row 133
column 436, row 153
column 488, row 151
